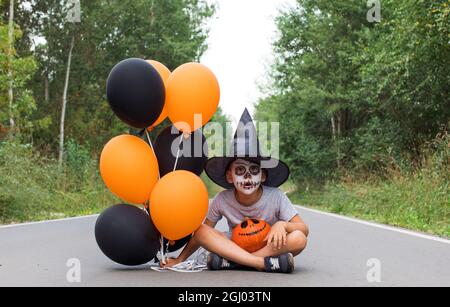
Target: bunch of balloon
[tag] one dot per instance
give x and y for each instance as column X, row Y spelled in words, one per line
column 179, row 201
column 128, row 165
column 192, row 157
column 143, row 94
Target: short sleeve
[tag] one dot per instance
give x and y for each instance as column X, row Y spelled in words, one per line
column 287, row 209
column 214, row 212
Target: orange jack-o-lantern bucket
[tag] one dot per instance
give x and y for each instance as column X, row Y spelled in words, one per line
column 250, row 234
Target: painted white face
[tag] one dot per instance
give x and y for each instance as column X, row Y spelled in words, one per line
column 247, row 176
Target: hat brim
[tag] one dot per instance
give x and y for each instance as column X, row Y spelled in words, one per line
column 216, row 167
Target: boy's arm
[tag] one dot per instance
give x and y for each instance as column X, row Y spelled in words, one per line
column 297, row 223
column 190, row 248
column 278, row 234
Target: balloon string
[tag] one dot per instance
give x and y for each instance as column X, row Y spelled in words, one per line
column 161, row 239
column 164, row 252
column 163, row 255
column 151, row 146
column 178, row 153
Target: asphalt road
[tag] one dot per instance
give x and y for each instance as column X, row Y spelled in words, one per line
column 338, row 254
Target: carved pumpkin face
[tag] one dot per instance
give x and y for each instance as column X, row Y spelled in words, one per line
column 250, row 234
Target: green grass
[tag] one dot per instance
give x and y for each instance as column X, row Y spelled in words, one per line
column 410, row 195
column 34, row 188
column 419, row 202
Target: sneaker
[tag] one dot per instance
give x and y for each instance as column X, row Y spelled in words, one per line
column 217, row 263
column 280, row 264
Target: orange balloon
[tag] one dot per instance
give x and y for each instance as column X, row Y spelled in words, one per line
column 179, row 204
column 192, row 89
column 164, row 72
column 129, row 168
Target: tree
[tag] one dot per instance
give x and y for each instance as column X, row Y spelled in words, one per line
column 73, row 16
column 21, row 69
column 64, row 103
column 313, row 79
column 352, row 95
column 406, row 71
column 172, row 32
column 10, row 62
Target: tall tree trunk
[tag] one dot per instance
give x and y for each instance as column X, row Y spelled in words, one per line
column 152, row 14
column 333, row 128
column 10, row 64
column 339, row 134
column 64, row 104
column 339, row 124
column 48, row 60
column 46, row 89
column 336, row 133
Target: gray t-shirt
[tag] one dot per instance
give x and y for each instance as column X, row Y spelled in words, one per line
column 274, row 206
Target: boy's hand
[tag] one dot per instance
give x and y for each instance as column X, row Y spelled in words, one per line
column 277, row 237
column 170, row 263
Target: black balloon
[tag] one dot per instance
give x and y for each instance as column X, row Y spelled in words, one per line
column 192, row 151
column 126, row 235
column 136, row 92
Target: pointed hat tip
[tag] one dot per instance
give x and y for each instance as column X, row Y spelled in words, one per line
column 246, row 117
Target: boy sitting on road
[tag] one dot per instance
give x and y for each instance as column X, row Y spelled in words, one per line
column 252, row 192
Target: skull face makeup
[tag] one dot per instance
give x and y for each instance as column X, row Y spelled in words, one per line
column 247, row 176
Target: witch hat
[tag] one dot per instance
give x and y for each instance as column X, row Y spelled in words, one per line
column 245, row 145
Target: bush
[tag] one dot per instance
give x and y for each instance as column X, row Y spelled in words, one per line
column 416, row 198
column 376, row 145
column 33, row 187
column 79, row 166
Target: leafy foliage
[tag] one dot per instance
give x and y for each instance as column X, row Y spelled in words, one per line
column 172, row 32
column 356, row 97
column 417, row 199
column 23, row 69
column 33, row 186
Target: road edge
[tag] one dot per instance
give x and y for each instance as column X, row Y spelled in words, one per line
column 333, row 215
column 377, row 225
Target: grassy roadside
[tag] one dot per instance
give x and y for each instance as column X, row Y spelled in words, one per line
column 34, row 188
column 411, row 195
column 420, row 202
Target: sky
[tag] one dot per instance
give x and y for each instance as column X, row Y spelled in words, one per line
column 240, row 50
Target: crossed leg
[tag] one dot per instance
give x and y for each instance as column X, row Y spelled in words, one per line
column 217, row 242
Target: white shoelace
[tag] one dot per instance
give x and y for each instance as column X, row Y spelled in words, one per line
column 196, row 265
column 275, row 263
column 225, row 264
